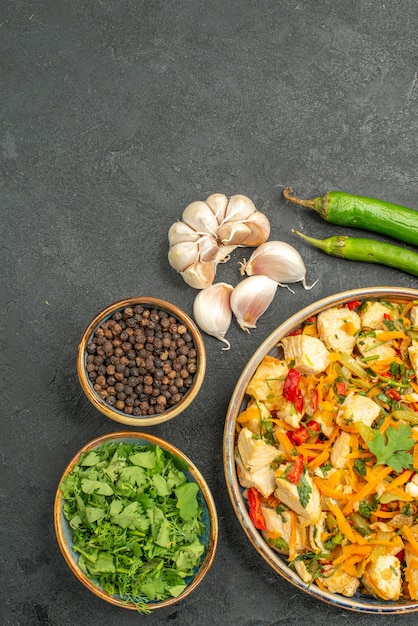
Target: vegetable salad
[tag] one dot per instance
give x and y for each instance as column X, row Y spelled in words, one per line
column 327, row 449
column 136, row 521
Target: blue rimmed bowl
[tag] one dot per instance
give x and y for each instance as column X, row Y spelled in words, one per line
column 359, row 602
column 208, row 517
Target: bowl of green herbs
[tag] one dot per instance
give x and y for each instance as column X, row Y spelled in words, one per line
column 135, row 521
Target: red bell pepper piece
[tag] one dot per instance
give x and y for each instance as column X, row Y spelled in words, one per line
column 296, row 470
column 300, row 435
column 255, row 511
column 353, row 304
column 313, row 426
column 392, row 393
column 299, row 401
column 314, row 398
column 341, row 388
column 291, row 384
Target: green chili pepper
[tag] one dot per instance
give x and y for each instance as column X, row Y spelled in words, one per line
column 372, row 214
column 367, row 250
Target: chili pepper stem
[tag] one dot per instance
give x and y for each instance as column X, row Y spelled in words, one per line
column 317, row 204
column 333, row 245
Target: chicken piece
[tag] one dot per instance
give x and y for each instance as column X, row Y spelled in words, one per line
column 264, row 479
column 302, row 571
column 338, row 328
column 316, row 532
column 413, row 357
column 336, row 580
column 287, row 493
column 340, row 450
column 372, row 315
column 357, row 408
column 372, row 346
column 252, row 415
column 413, row 315
column 411, row 573
column 288, row 413
column 411, row 487
column 254, row 453
column 382, row 577
column 309, row 354
column 279, row 525
column 267, row 383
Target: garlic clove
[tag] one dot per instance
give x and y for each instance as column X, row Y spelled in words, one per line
column 183, row 254
column 217, row 202
column 179, row 232
column 212, row 311
column 200, row 274
column 224, row 253
column 208, row 248
column 279, row 261
column 200, row 217
column 239, row 208
column 259, row 226
column 233, row 233
column 251, row 298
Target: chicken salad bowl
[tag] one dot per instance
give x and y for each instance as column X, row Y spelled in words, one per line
column 321, row 450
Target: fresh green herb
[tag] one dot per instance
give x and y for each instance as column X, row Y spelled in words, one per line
column 136, row 521
column 406, row 510
column 334, row 540
column 360, row 467
column 366, row 507
column 304, row 491
column 279, row 543
column 390, row 448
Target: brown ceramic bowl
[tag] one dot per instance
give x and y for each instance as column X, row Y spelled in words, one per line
column 359, row 602
column 169, row 411
column 208, row 517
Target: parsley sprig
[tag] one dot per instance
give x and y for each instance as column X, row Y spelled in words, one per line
column 136, row 521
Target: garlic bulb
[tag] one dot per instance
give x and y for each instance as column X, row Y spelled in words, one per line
column 279, row 261
column 182, row 254
column 200, row 274
column 218, row 202
column 251, row 298
column 212, row 311
column 210, row 231
column 200, row 217
column 179, row 232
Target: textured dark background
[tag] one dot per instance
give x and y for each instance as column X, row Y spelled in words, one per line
column 115, row 114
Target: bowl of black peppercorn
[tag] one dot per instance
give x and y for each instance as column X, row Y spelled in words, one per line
column 141, row 361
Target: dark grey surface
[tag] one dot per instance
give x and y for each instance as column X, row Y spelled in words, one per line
column 114, row 116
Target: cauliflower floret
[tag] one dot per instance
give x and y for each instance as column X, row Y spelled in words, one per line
column 287, row 493
column 372, row 315
column 411, row 488
column 267, row 383
column 372, row 346
column 280, row 526
column 357, row 408
column 264, row 479
column 254, row 453
column 336, row 580
column 338, row 328
column 308, row 353
column 340, row 450
column 382, row 577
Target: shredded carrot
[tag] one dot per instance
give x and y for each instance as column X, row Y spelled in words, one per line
column 343, row 525
column 368, row 488
column 400, row 480
column 286, row 444
column 388, row 335
column 415, row 455
column 410, row 538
